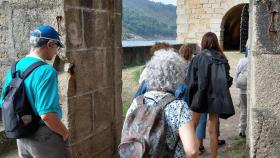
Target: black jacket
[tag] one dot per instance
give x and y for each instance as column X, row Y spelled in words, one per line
column 209, row 80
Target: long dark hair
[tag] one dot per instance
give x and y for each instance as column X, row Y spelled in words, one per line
column 186, row 51
column 210, row 41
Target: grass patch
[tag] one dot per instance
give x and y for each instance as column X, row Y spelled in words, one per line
column 136, row 75
column 130, row 77
column 237, row 149
column 125, row 105
column 132, row 65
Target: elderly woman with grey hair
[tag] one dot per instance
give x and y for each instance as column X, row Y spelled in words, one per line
column 164, row 71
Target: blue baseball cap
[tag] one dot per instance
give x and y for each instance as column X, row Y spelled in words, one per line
column 47, row 32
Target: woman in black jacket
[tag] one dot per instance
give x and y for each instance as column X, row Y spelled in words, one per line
column 208, row 80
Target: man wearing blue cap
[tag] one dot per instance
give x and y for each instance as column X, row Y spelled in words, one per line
column 41, row 87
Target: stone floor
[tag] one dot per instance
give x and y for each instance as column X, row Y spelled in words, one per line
column 11, row 154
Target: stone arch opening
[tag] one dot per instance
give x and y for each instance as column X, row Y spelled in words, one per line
column 230, row 28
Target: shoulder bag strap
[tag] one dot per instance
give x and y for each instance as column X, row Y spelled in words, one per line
column 13, row 69
column 31, row 68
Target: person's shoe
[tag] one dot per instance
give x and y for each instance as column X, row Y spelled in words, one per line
column 201, row 149
column 221, row 142
column 243, row 135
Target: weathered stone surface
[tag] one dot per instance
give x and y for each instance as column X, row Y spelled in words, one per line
column 89, row 28
column 264, row 117
column 3, row 54
column 74, row 30
column 118, row 116
column 118, row 6
column 268, row 40
column 267, row 68
column 81, row 116
column 264, row 107
column 81, row 3
column 97, row 29
column 94, row 145
column 64, row 80
column 93, row 69
column 265, row 132
column 92, row 4
column 118, row 29
column 118, row 63
column 106, row 153
column 103, row 109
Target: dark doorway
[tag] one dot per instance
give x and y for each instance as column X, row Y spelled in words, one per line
column 231, row 28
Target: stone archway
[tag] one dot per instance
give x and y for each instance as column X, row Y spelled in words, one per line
column 195, row 18
column 230, row 28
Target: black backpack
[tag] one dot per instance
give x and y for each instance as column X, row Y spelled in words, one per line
column 19, row 119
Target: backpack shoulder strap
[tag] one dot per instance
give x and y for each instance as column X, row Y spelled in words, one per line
column 140, row 100
column 31, row 68
column 162, row 103
column 13, row 69
column 165, row 100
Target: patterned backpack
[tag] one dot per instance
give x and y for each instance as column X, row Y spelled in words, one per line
column 143, row 134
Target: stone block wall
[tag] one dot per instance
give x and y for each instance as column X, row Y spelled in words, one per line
column 264, row 105
column 93, row 46
column 89, row 67
column 196, row 17
column 138, row 55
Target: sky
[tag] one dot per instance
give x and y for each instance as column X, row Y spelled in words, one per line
column 166, row 1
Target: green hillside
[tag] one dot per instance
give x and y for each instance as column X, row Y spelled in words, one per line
column 144, row 19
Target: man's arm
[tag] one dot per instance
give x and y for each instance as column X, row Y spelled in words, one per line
column 53, row 122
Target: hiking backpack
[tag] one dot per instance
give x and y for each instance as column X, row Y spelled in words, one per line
column 241, row 80
column 19, row 119
column 143, row 134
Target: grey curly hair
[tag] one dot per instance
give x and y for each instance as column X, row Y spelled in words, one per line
column 165, row 70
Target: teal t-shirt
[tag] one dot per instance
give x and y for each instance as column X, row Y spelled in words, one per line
column 41, row 87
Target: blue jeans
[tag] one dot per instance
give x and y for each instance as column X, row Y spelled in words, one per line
column 201, row 127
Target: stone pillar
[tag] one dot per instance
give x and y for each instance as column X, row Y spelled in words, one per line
column 93, row 46
column 264, row 105
column 89, row 66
